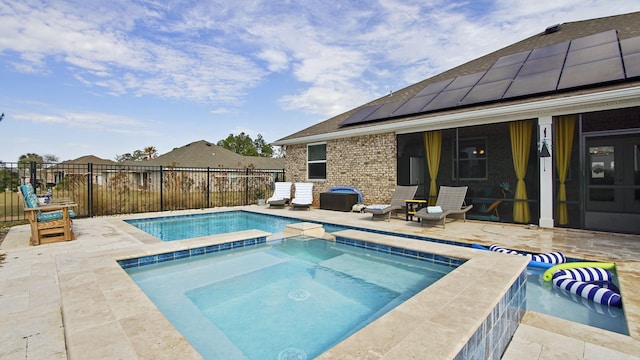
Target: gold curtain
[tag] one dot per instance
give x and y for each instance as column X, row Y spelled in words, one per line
column 432, row 149
column 563, row 128
column 520, row 132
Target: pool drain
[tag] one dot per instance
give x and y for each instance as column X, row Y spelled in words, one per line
column 299, row 294
column 292, row 354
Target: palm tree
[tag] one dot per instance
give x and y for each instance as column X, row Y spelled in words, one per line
column 149, row 152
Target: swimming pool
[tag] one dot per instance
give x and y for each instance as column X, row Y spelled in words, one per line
column 171, row 228
column 541, row 296
column 545, row 298
column 290, row 298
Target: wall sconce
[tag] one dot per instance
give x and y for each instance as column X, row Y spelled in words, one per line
column 544, row 150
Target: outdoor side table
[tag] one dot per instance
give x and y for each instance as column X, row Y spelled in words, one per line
column 411, row 206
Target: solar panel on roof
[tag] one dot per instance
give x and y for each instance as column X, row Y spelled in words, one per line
column 486, row 92
column 359, row 115
column 631, row 56
column 465, row 81
column 542, row 65
column 591, row 73
column 632, row 65
column 434, row 88
column 551, row 50
column 630, row 46
column 447, row 99
column 592, row 54
column 533, row 84
column 518, row 58
column 501, row 73
column 594, row 40
column 384, row 111
column 593, row 59
column 414, row 105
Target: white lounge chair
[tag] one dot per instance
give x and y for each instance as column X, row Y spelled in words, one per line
column 303, row 196
column 281, row 195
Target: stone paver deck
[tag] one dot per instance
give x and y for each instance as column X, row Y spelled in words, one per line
column 58, row 301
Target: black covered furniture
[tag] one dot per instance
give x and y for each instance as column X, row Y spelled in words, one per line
column 338, row 201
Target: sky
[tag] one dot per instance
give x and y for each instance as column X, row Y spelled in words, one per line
column 106, row 78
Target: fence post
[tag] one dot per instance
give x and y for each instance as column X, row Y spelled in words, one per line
column 208, row 197
column 246, row 186
column 33, row 174
column 90, row 189
column 161, row 188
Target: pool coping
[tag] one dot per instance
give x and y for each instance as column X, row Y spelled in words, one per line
column 32, row 292
column 134, row 323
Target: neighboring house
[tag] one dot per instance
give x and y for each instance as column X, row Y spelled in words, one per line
column 544, row 131
column 80, row 166
column 205, row 157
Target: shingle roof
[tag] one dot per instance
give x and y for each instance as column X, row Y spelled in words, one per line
column 626, row 25
column 90, row 159
column 204, row 154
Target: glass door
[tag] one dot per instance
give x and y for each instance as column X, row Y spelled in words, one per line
column 612, row 183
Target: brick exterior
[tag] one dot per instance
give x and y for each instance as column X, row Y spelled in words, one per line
column 367, row 163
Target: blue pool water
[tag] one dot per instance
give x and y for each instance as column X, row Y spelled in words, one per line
column 172, row 228
column 291, row 299
column 542, row 297
column 545, row 298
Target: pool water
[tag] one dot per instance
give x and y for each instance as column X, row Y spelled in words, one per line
column 290, row 299
column 545, row 298
column 172, row 228
column 542, row 296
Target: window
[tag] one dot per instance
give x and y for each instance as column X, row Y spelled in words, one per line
column 472, row 159
column 317, row 161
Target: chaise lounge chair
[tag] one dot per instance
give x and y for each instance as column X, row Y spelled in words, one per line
column 449, row 203
column 281, row 195
column 303, row 196
column 402, row 193
column 49, row 223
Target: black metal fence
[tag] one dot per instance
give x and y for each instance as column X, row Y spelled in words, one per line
column 110, row 189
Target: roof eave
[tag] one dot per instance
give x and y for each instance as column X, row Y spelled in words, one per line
column 603, row 100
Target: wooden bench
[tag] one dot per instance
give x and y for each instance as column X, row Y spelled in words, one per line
column 49, row 223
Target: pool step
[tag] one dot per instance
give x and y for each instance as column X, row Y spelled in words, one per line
column 304, row 228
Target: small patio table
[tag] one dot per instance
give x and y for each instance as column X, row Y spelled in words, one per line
column 411, row 206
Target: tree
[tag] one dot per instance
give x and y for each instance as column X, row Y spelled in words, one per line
column 243, row 144
column 8, row 179
column 148, row 153
column 29, row 158
column 50, row 158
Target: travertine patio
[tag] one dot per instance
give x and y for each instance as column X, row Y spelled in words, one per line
column 69, row 300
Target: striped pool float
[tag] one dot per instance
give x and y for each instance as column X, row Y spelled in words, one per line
column 549, row 258
column 582, row 281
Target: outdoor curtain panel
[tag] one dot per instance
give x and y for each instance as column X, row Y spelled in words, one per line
column 564, row 128
column 432, row 147
column 520, row 132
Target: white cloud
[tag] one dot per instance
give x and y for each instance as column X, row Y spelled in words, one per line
column 276, row 60
column 161, row 65
column 95, row 121
column 338, row 54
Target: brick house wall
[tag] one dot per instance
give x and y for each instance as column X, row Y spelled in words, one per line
column 367, row 163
